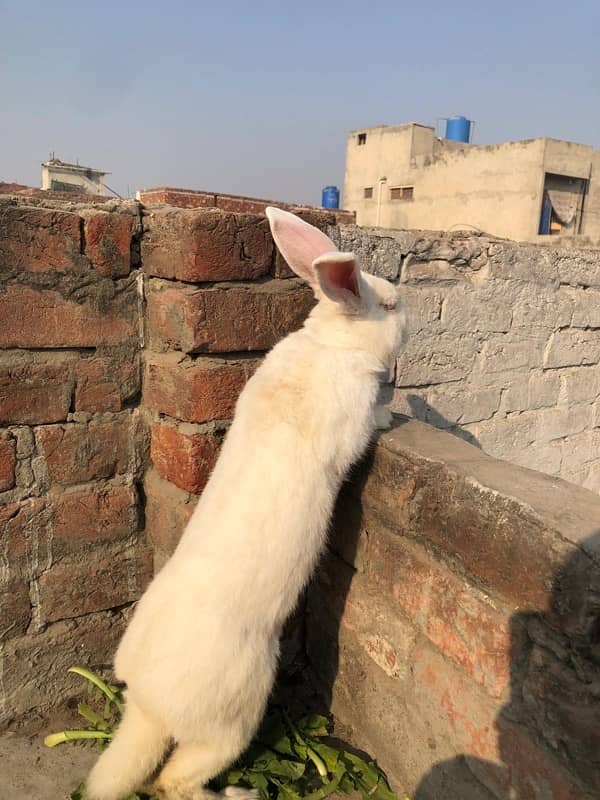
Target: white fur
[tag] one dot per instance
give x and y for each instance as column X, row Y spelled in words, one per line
column 200, row 654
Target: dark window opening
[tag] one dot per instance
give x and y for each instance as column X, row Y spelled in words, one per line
column 401, row 192
column 562, row 205
column 362, row 138
column 368, row 192
column 63, row 186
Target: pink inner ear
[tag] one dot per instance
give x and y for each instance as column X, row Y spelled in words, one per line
column 298, row 242
column 343, row 275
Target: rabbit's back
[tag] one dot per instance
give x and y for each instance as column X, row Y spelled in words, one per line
column 302, row 419
column 261, row 522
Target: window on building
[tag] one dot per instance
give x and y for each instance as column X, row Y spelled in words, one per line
column 361, row 138
column 562, row 205
column 401, row 192
column 368, row 192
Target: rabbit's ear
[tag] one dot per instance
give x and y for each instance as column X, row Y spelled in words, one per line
column 338, row 276
column 298, row 242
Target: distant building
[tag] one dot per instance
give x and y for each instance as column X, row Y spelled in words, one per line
column 407, row 177
column 58, row 176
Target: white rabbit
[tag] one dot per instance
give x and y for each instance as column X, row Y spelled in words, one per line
column 200, row 654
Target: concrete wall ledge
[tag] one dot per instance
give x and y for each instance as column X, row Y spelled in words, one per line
column 454, row 623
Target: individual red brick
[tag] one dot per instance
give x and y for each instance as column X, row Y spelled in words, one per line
column 168, row 510
column 107, row 237
column 34, row 393
column 195, row 391
column 224, row 320
column 15, row 609
column 8, row 461
column 25, row 537
column 184, row 456
column 36, row 318
column 94, row 516
column 71, row 590
column 38, row 239
column 77, row 453
column 106, row 382
column 206, row 245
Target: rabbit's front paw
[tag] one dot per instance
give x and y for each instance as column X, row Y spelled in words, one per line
column 383, row 418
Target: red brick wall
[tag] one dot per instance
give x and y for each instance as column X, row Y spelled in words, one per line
column 97, row 477
column 216, row 299
column 71, row 550
column 190, row 198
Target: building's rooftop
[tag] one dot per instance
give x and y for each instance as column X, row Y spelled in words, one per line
column 404, row 125
column 56, row 163
column 391, row 127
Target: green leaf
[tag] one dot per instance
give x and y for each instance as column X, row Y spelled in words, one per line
column 110, row 692
column 287, row 793
column 258, row 781
column 369, row 779
column 273, row 734
column 329, row 755
column 70, row 736
column 314, row 725
column 235, row 776
column 347, row 785
column 300, row 750
column 293, row 770
column 330, row 787
column 92, row 717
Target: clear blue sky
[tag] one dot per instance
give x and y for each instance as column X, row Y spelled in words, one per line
column 256, row 97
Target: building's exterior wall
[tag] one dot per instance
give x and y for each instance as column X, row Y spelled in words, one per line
column 591, row 210
column 567, row 158
column 60, row 177
column 497, row 189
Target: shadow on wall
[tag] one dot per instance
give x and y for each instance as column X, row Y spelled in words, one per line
column 554, row 700
column 553, row 712
column 422, row 410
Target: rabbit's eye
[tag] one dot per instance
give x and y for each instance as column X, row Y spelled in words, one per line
column 389, row 305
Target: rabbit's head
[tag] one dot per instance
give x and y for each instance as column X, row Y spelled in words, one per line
column 355, row 310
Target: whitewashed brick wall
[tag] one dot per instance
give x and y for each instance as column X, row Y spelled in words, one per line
column 504, row 346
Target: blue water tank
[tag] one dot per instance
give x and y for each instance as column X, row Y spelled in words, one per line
column 458, row 129
column 330, row 197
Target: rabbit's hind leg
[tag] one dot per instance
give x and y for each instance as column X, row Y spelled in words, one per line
column 188, row 770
